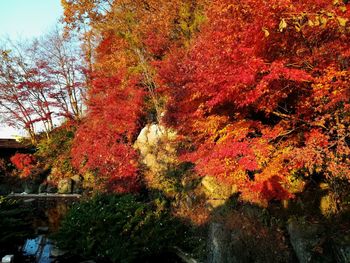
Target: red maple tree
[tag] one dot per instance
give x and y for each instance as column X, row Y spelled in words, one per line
column 263, row 92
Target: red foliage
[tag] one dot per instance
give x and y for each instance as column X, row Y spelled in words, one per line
column 263, row 92
column 24, row 162
column 103, row 143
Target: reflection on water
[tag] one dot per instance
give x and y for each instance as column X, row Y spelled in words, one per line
column 38, row 250
column 49, row 213
column 45, row 255
column 55, row 214
column 32, row 246
column 47, row 217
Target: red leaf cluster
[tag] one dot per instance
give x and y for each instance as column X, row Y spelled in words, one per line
column 24, row 162
column 103, row 142
column 264, row 92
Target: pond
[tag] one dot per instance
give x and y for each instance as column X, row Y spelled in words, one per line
column 46, row 212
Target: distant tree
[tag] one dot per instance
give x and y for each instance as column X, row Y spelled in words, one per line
column 41, row 80
column 64, row 66
column 23, row 90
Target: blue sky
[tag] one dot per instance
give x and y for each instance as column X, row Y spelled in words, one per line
column 28, row 18
column 25, row 19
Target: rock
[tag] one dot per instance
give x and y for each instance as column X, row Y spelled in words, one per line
column 341, row 248
column 77, row 184
column 218, row 241
column 42, row 188
column 56, row 252
column 42, row 229
column 77, row 178
column 307, row 240
column 8, row 259
column 65, row 186
column 29, row 187
column 51, row 188
column 157, row 147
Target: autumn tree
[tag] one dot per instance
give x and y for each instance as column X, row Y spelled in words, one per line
column 66, row 70
column 24, row 163
column 103, row 143
column 263, row 94
column 40, row 81
column 133, row 35
column 23, row 91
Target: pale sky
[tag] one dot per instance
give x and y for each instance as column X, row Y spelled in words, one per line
column 23, row 19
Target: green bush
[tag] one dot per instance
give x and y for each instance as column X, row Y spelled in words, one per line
column 119, row 228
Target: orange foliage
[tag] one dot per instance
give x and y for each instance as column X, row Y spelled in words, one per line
column 261, row 91
column 24, row 163
column 264, row 92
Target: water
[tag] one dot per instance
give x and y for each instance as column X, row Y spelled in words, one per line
column 47, row 216
column 38, row 249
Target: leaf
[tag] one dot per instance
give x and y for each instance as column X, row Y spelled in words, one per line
column 342, row 21
column 323, row 20
column 317, row 21
column 266, row 32
column 310, row 23
column 343, row 9
column 282, row 25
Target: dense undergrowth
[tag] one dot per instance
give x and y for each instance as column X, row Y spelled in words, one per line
column 122, row 228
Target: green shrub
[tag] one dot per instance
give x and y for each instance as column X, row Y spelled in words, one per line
column 118, row 228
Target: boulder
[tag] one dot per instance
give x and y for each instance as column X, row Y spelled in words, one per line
column 8, row 259
column 307, row 240
column 341, row 248
column 77, row 184
column 218, row 241
column 65, row 186
column 29, row 187
column 157, row 147
column 42, row 188
column 51, row 189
